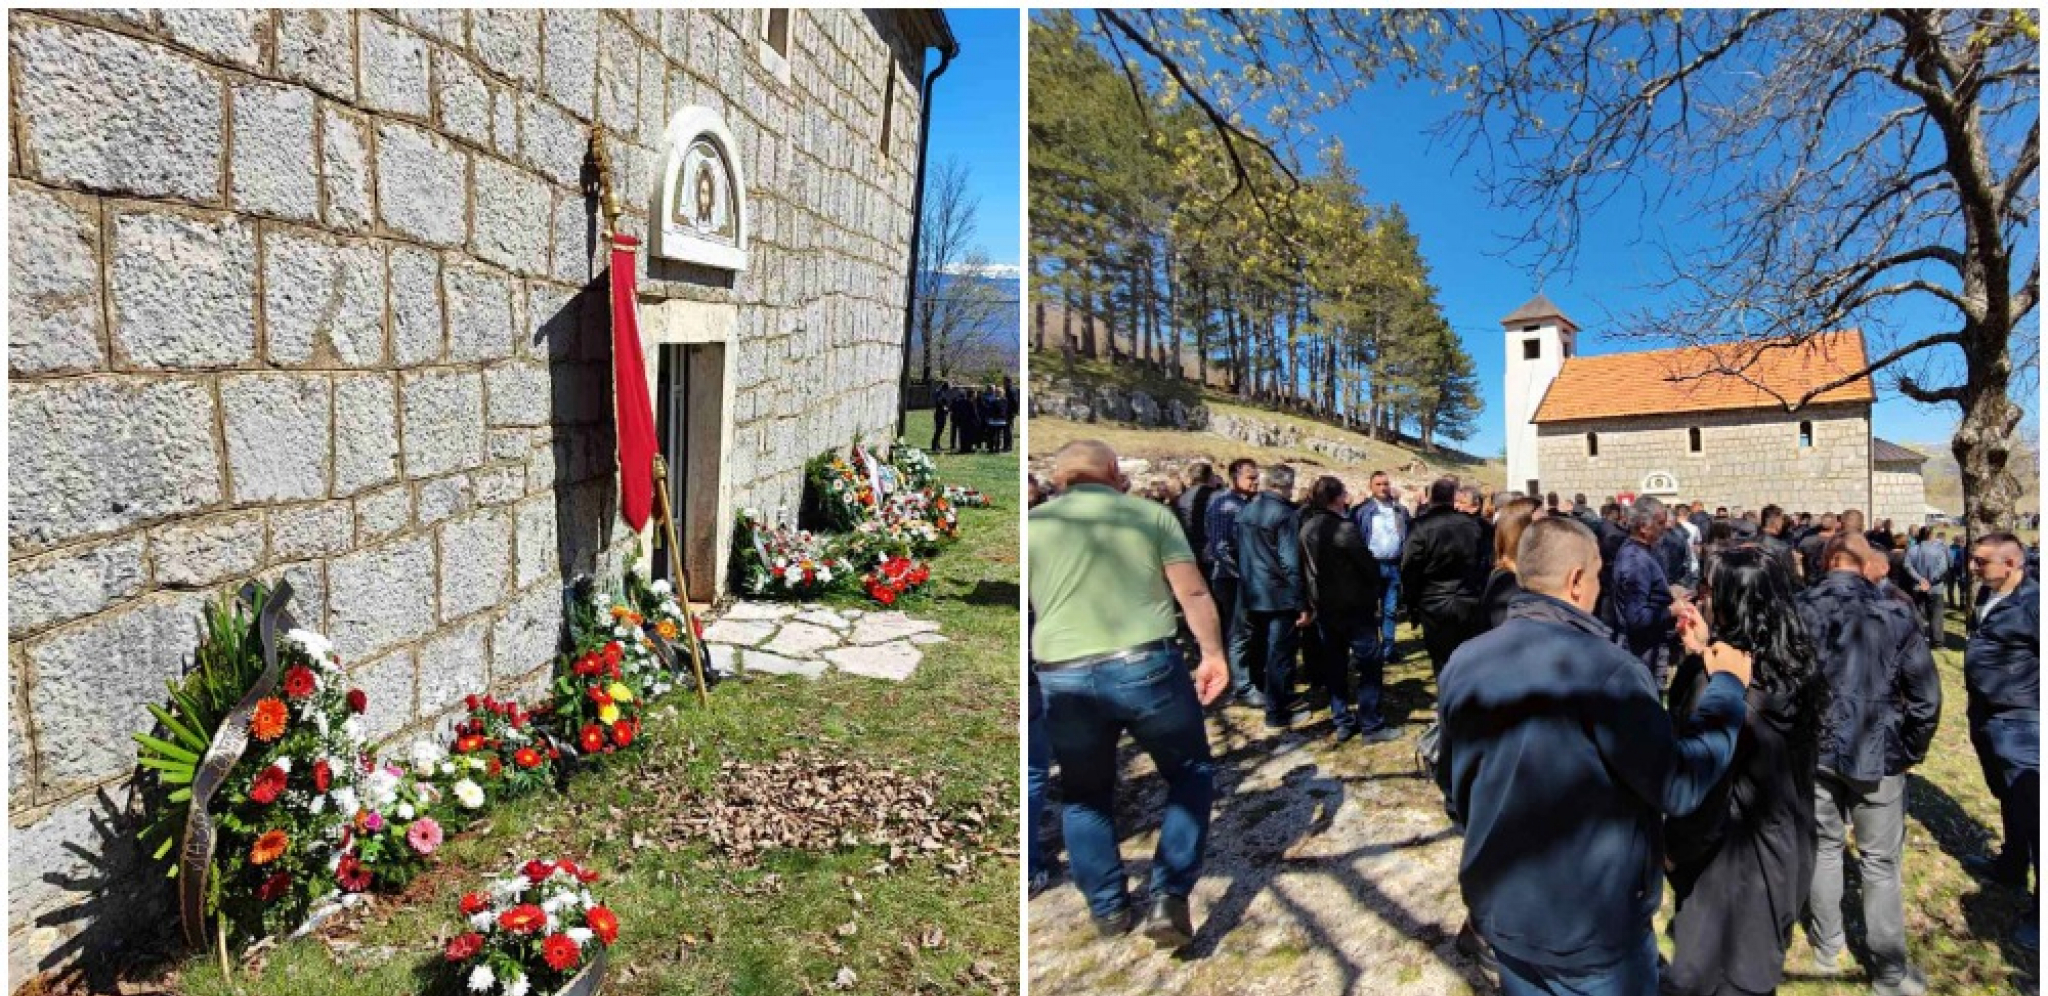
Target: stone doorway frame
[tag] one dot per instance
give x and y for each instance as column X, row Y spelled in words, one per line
column 698, row 323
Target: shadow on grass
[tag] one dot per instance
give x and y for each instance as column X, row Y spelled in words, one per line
column 996, row 594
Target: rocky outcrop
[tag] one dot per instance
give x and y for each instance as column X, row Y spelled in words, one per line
column 1061, row 398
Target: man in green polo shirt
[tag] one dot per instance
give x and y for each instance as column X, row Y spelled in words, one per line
column 1106, row 570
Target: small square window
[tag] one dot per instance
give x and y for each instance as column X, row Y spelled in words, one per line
column 1805, row 435
column 775, row 30
column 1592, row 444
column 1532, row 349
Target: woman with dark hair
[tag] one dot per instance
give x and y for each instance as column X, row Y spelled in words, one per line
column 1741, row 863
column 1502, row 586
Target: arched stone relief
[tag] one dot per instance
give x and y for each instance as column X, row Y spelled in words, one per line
column 700, row 207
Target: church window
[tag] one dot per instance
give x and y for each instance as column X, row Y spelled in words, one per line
column 888, row 104
column 1532, row 349
column 1592, row 444
column 1805, row 435
column 775, row 30
column 1692, row 439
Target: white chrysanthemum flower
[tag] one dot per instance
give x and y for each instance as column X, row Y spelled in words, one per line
column 320, row 722
column 469, row 793
column 581, row 935
column 660, row 587
column 315, row 645
column 318, row 805
column 283, row 762
column 481, row 980
column 352, row 728
column 380, row 790
column 345, row 801
column 622, row 631
column 553, row 903
column 518, row 986
column 447, row 767
column 588, row 899
column 824, row 575
column 554, row 923
column 405, row 810
column 482, row 921
column 425, row 754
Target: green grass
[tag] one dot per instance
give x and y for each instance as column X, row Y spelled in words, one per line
column 698, row 923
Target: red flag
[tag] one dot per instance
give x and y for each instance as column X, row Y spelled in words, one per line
column 629, row 393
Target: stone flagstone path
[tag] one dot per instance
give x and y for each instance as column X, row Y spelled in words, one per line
column 805, row 639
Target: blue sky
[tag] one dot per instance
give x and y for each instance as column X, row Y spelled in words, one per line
column 1385, row 134
column 976, row 109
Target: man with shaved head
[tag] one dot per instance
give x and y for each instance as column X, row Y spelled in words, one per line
column 1886, row 701
column 1561, row 762
column 1106, row 570
column 2002, row 673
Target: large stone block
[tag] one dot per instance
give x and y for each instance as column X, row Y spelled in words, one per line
column 554, row 315
column 234, row 36
column 272, row 169
column 455, row 663
column 184, row 290
column 508, row 41
column 464, row 98
column 536, row 554
column 444, row 422
column 323, row 302
column 575, row 240
column 383, row 513
column 422, row 185
column 91, row 457
column 388, row 683
column 280, row 433
column 366, row 448
column 55, row 324
column 201, row 552
column 416, row 309
column 500, row 485
column 345, row 170
column 476, row 562
column 90, row 685
column 526, row 637
column 516, row 394
column 481, row 321
column 443, row 498
column 381, row 597
column 320, row 530
column 394, row 69
column 444, row 23
column 552, row 142
column 318, row 47
column 570, row 68
column 512, row 217
column 73, row 583
column 618, row 80
column 105, row 112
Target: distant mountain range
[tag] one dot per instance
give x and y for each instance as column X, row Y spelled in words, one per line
column 993, row 271
column 1945, row 480
column 1002, row 336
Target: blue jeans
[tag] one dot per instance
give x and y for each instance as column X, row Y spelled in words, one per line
column 1390, row 608
column 1352, row 645
column 1086, row 711
column 1037, row 770
column 1635, row 975
column 1273, row 638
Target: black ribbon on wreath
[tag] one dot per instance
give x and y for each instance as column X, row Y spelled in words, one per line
column 229, row 742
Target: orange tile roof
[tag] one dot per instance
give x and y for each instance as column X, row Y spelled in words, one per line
column 1644, row 383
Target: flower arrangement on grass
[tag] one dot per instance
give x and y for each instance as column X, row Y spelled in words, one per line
column 595, row 708
column 497, row 746
column 389, row 838
column 617, row 619
column 962, row 496
column 893, row 578
column 531, row 931
column 783, row 563
column 914, row 466
column 841, row 489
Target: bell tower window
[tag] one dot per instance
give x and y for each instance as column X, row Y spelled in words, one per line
column 1532, row 349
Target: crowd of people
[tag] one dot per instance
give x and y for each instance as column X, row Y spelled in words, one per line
column 1642, row 693
column 983, row 420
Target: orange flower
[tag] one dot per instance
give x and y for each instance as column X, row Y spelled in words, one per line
column 269, row 847
column 268, row 722
column 668, row 629
column 620, row 612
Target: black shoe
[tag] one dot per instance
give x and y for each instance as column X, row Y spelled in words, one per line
column 1167, row 923
column 1345, row 733
column 1996, row 870
column 1383, row 735
column 1279, row 721
column 1473, row 946
column 1111, row 927
column 1253, row 699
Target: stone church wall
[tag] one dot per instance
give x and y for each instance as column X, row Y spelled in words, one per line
column 1900, row 494
column 1747, row 459
column 317, row 294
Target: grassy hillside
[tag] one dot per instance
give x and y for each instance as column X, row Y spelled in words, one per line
column 1945, row 479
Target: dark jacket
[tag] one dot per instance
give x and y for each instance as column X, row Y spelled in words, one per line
column 1501, row 588
column 1192, row 509
column 1885, row 698
column 1674, row 552
column 1781, row 552
column 1343, row 578
column 2002, row 666
column 1269, row 556
column 1642, row 600
column 1440, row 572
column 1559, row 759
column 1810, row 549
column 1221, row 532
column 1742, row 862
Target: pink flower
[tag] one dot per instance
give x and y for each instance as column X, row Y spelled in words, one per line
column 424, row 835
column 373, row 821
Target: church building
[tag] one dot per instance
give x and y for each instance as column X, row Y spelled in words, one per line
column 1659, row 423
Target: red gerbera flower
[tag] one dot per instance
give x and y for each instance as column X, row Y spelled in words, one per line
column 351, row 873
column 592, row 737
column 602, row 922
column 526, row 757
column 323, row 775
column 465, row 946
column 622, row 733
column 524, row 918
column 538, row 871
column 298, row 682
column 268, row 786
column 468, row 744
column 599, row 695
column 587, row 665
column 273, row 887
column 474, row 903
column 357, row 701
column 561, row 952
column 493, row 768
column 613, row 651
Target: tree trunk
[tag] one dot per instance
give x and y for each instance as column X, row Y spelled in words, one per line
column 1983, row 441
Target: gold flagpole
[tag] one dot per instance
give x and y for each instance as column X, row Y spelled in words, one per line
column 664, row 512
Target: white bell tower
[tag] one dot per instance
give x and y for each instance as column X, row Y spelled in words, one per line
column 1539, row 339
